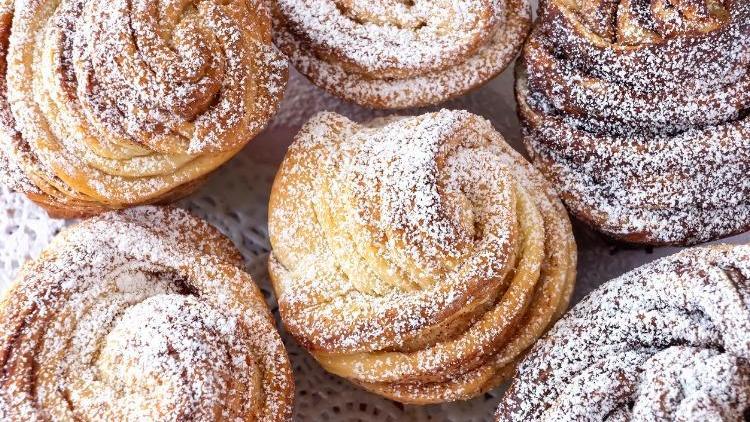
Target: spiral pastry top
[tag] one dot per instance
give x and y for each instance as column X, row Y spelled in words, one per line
column 142, row 314
column 397, row 53
column 637, row 111
column 108, row 104
column 418, row 257
column 668, row 341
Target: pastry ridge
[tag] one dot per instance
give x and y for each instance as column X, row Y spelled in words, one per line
column 140, row 314
column 639, row 118
column 418, row 257
column 106, row 105
column 667, row 341
column 394, row 54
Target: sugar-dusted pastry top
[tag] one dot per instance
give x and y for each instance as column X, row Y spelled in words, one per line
column 396, row 54
column 111, row 104
column 143, row 314
column 667, row 341
column 416, row 256
column 637, row 110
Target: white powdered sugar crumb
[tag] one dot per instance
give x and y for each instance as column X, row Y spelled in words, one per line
column 645, row 138
column 413, row 54
column 391, row 174
column 394, row 243
column 134, row 101
column 142, row 314
column 377, row 37
column 669, row 340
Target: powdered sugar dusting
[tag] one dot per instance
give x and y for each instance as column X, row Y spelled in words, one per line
column 394, row 246
column 132, row 102
column 132, row 315
column 393, row 38
column 670, row 340
column 645, row 137
column 415, row 54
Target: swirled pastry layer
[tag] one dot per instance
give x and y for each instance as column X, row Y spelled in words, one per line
column 419, row 257
column 398, row 54
column 112, row 104
column 140, row 315
column 668, row 341
column 637, row 111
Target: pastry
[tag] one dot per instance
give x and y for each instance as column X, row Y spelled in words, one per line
column 637, row 113
column 669, row 341
column 418, row 257
column 141, row 314
column 110, row 104
column 398, row 54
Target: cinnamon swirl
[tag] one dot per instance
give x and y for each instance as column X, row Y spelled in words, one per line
column 399, row 54
column 637, row 111
column 105, row 105
column 141, row 314
column 418, row 257
column 668, row 341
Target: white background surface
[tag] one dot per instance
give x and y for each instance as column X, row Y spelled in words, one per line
column 235, row 200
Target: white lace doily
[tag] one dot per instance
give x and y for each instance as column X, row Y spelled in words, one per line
column 235, row 200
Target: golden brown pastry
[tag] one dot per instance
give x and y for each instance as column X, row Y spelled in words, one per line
column 637, row 111
column 109, row 104
column 418, row 257
column 141, row 314
column 669, row 341
column 398, row 54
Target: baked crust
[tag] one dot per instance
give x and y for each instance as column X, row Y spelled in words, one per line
column 141, row 314
column 395, row 54
column 640, row 120
column 108, row 105
column 418, row 257
column 667, row 341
